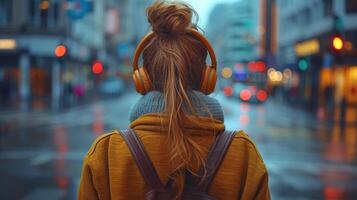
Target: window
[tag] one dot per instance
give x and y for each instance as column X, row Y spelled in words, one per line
column 327, row 7
column 56, row 10
column 293, row 19
column 32, row 12
column 5, row 12
column 306, row 16
column 351, row 6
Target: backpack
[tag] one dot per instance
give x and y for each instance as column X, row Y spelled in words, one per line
column 195, row 188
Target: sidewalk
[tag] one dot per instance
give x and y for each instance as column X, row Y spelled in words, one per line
column 43, row 104
column 344, row 118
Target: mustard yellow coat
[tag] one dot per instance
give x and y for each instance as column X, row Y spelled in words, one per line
column 109, row 171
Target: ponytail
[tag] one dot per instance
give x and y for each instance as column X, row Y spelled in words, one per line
column 175, row 61
column 186, row 153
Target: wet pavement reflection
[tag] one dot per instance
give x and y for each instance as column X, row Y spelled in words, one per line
column 41, row 152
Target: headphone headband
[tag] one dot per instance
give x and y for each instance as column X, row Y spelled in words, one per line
column 194, row 32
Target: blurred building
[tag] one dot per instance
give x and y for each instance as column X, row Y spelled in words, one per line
column 214, row 30
column 317, row 40
column 133, row 26
column 267, row 30
column 233, row 30
column 90, row 31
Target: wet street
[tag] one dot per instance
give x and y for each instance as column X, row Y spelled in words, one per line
column 41, row 152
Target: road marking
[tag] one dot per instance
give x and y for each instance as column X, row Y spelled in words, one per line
column 41, row 159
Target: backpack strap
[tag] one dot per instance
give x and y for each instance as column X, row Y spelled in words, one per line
column 214, row 159
column 142, row 159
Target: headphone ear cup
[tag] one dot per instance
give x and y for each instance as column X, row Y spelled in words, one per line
column 205, row 79
column 147, row 84
column 209, row 79
column 142, row 81
column 211, row 83
column 138, row 82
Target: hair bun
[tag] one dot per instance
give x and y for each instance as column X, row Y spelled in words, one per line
column 169, row 18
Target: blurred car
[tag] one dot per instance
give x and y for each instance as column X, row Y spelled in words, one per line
column 111, row 86
column 246, row 93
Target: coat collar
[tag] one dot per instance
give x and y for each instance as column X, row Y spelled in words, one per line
column 154, row 102
column 155, row 121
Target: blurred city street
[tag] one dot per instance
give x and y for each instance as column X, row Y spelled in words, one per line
column 287, row 76
column 41, row 152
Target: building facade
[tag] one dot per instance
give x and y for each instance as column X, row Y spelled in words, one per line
column 30, row 31
column 309, row 31
column 235, row 33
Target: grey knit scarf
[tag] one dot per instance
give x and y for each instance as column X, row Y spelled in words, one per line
column 153, row 102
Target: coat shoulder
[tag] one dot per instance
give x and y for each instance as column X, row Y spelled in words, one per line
column 243, row 141
column 102, row 142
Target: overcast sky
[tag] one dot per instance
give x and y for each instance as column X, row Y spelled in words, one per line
column 204, row 7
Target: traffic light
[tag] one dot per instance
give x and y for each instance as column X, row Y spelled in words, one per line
column 97, row 67
column 303, row 64
column 44, row 5
column 60, row 51
column 337, row 43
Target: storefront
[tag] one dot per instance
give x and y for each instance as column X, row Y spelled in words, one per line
column 338, row 93
column 32, row 77
column 25, row 83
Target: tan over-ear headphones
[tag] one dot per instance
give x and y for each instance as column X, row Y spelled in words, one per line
column 141, row 77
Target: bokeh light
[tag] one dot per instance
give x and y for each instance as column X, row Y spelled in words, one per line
column 97, row 67
column 60, row 51
column 337, row 43
column 227, row 72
